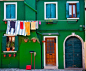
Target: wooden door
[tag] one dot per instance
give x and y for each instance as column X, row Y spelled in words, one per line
column 73, row 53
column 50, row 51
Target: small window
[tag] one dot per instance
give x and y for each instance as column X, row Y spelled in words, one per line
column 72, row 10
column 50, row 10
column 10, row 11
column 10, row 43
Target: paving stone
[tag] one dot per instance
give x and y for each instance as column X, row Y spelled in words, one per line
column 16, row 69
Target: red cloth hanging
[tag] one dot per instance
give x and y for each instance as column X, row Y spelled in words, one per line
column 21, row 25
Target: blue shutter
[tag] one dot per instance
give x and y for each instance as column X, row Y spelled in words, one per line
column 12, row 11
column 48, row 11
column 7, row 11
column 16, row 43
column 78, row 10
column 53, row 10
column 67, row 10
column 4, row 43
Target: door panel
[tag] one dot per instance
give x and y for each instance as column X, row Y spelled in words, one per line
column 73, row 53
column 50, row 48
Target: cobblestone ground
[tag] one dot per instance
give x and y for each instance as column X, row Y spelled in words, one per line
column 16, row 69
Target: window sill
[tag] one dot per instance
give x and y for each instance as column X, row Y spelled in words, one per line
column 8, row 19
column 50, row 19
column 73, row 18
column 9, row 51
column 9, row 35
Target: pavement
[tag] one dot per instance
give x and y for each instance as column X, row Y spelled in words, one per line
column 16, row 69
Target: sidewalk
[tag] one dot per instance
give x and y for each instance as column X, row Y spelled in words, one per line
column 16, row 69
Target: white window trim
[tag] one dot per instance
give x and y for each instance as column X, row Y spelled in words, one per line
column 72, row 18
column 51, row 67
column 72, row 1
column 5, row 10
column 45, row 10
column 9, row 35
column 9, row 51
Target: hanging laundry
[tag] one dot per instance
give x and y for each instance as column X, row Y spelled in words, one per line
column 12, row 27
column 36, row 24
column 33, row 25
column 21, row 25
column 27, row 28
column 17, row 27
column 8, row 27
column 40, row 22
column 20, row 28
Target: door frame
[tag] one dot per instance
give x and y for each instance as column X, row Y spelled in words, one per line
column 73, row 34
column 51, row 67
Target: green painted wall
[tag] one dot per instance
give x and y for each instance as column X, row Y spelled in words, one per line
column 12, row 62
column 64, row 28
column 61, row 16
column 29, row 13
column 25, row 56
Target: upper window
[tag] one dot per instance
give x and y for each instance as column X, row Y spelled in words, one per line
column 50, row 10
column 72, row 10
column 10, row 11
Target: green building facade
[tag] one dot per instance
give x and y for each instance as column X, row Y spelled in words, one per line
column 61, row 34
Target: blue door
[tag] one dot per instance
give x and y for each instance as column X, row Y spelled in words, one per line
column 73, row 53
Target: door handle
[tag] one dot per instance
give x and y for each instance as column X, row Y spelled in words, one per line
column 50, row 54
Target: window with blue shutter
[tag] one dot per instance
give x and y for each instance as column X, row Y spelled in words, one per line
column 50, row 10
column 72, row 10
column 78, row 10
column 53, row 10
column 13, row 41
column 4, row 39
column 7, row 11
column 67, row 10
column 10, row 11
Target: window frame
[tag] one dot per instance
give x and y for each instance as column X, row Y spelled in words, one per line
column 45, row 10
column 6, row 3
column 72, row 10
column 73, row 2
column 6, row 41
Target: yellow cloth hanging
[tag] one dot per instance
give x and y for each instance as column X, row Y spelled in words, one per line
column 33, row 25
column 27, row 28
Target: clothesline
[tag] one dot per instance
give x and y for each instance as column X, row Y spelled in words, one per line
column 46, row 20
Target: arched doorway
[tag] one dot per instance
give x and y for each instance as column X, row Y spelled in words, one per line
column 73, row 52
